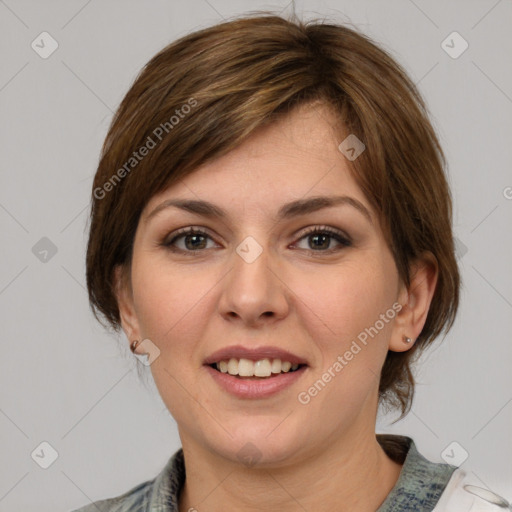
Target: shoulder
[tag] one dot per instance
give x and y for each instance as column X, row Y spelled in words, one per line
column 424, row 485
column 464, row 494
column 161, row 493
column 133, row 500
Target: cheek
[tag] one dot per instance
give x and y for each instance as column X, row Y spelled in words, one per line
column 168, row 302
column 350, row 298
column 352, row 338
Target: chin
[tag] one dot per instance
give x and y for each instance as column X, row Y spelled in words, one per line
column 259, row 447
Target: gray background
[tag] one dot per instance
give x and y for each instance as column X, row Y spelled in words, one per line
column 65, row 381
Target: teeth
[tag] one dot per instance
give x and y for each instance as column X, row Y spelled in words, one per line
column 276, row 366
column 232, row 367
column 285, row 366
column 245, row 368
column 262, row 368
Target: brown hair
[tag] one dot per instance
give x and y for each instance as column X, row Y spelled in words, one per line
column 202, row 95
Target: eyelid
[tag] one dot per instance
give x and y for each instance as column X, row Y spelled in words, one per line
column 188, row 230
column 318, row 228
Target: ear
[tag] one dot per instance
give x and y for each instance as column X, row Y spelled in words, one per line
column 415, row 301
column 124, row 295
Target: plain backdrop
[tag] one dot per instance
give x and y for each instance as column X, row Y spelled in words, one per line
column 66, row 382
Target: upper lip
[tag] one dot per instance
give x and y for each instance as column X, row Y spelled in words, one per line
column 253, row 354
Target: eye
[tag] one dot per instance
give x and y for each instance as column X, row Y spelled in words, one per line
column 321, row 238
column 194, row 239
column 190, row 240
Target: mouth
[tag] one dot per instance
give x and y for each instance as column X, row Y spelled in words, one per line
column 255, row 380
column 247, row 369
column 263, row 362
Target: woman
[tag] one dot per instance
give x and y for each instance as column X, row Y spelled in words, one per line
column 271, row 228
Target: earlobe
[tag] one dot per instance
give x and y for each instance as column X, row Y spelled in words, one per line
column 124, row 298
column 415, row 300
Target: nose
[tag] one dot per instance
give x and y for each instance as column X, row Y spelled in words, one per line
column 253, row 291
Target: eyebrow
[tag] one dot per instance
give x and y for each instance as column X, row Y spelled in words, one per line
column 287, row 211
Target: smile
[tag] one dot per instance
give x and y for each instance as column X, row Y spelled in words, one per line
column 262, row 368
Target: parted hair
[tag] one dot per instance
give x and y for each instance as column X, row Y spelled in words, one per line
column 205, row 93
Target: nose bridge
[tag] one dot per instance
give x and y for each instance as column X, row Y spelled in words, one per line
column 252, row 288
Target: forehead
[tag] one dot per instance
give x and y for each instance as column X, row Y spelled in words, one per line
column 309, row 131
column 293, row 157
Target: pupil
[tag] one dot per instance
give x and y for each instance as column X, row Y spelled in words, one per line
column 324, row 237
column 194, row 245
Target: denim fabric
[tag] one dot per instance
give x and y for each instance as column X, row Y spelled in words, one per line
column 421, row 482
column 418, row 488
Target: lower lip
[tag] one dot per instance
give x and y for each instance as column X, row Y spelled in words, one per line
column 255, row 388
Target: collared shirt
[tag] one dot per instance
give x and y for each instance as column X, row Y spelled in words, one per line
column 422, row 486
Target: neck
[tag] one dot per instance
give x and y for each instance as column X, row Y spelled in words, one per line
column 350, row 474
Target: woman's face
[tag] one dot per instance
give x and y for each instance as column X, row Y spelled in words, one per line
column 317, row 296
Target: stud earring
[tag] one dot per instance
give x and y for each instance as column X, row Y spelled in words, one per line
column 407, row 339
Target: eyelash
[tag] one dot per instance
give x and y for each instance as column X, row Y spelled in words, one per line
column 342, row 239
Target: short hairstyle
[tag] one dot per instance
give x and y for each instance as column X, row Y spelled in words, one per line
column 205, row 93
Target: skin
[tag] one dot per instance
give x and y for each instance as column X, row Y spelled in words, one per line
column 307, row 295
